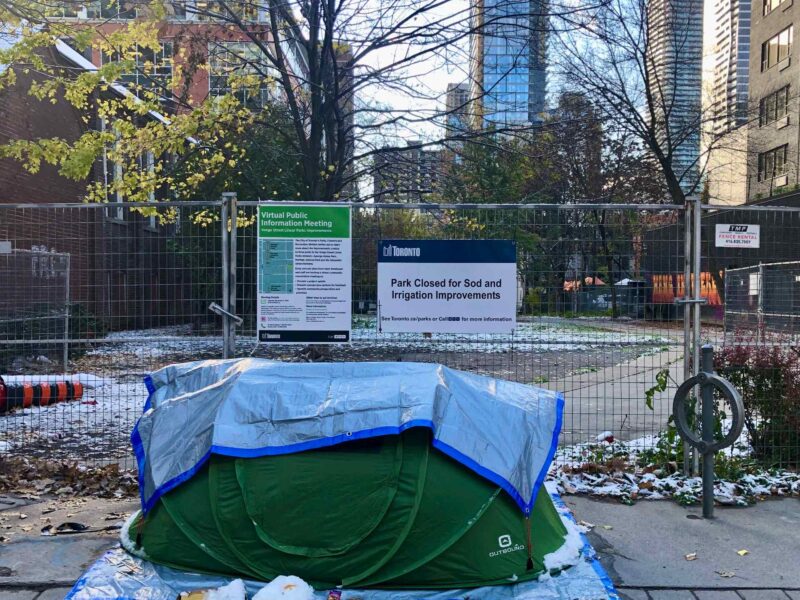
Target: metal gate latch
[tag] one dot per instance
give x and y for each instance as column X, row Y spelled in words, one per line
column 217, row 309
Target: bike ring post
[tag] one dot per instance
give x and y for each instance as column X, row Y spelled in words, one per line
column 706, row 444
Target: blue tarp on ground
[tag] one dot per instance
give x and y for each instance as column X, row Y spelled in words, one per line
column 119, row 576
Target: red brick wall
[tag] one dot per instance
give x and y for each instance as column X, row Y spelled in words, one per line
column 63, row 230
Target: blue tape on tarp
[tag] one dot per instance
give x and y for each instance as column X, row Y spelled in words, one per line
column 118, row 575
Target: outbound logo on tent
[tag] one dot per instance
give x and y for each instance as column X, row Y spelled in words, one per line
column 506, row 545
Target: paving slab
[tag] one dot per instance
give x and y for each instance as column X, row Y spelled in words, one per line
column 50, row 561
column 635, row 595
column 18, row 594
column 39, row 562
column 672, row 595
column 54, row 594
column 647, row 544
column 763, row 595
column 717, row 595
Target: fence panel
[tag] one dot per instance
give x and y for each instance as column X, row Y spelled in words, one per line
column 761, row 315
column 596, row 310
column 601, row 344
column 119, row 290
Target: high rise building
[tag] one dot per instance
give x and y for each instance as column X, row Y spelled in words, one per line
column 508, row 61
column 675, row 66
column 772, row 140
column 456, row 108
column 406, row 174
column 731, row 65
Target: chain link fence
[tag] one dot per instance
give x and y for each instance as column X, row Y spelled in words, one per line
column 763, row 304
column 597, row 317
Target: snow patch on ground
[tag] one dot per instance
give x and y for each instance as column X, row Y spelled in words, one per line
column 96, row 427
column 614, row 470
column 527, row 337
column 88, row 380
column 286, row 588
column 235, row 590
column 126, row 539
column 570, row 552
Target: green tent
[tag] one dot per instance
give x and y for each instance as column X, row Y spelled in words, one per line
column 386, row 512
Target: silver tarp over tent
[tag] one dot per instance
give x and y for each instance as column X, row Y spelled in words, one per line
column 504, row 431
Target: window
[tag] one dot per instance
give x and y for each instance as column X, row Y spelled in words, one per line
column 777, row 48
column 96, row 9
column 241, row 69
column 151, row 70
column 112, row 172
column 772, row 163
column 773, row 107
column 207, row 10
column 770, row 5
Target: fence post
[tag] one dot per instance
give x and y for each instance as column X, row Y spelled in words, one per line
column 233, row 210
column 707, row 392
column 696, row 305
column 760, row 334
column 66, row 314
column 226, row 324
column 687, row 316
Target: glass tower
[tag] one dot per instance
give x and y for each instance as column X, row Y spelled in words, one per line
column 674, row 69
column 508, row 61
column 731, row 70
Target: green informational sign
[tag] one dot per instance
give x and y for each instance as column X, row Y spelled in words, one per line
column 304, row 274
column 293, row 221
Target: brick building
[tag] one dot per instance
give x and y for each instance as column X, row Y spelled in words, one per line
column 114, row 254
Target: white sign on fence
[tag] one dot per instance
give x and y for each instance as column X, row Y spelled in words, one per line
column 447, row 286
column 737, row 236
column 304, row 274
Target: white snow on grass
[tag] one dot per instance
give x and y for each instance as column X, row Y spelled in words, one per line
column 529, row 336
column 154, row 343
column 88, row 380
column 97, row 426
column 616, row 470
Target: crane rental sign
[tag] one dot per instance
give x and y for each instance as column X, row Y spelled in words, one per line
column 447, row 286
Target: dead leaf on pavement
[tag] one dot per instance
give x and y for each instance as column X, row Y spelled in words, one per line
column 726, row 574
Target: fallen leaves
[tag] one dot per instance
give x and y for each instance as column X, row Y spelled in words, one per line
column 726, row 574
column 34, row 477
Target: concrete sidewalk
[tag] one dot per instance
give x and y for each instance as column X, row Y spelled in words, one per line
column 612, row 399
column 40, row 567
column 643, row 547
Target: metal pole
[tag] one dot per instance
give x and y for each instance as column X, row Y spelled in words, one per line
column 707, row 392
column 66, row 315
column 687, row 318
column 231, row 196
column 226, row 325
column 760, row 334
column 696, row 305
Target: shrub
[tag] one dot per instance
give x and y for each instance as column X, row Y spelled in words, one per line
column 768, row 377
